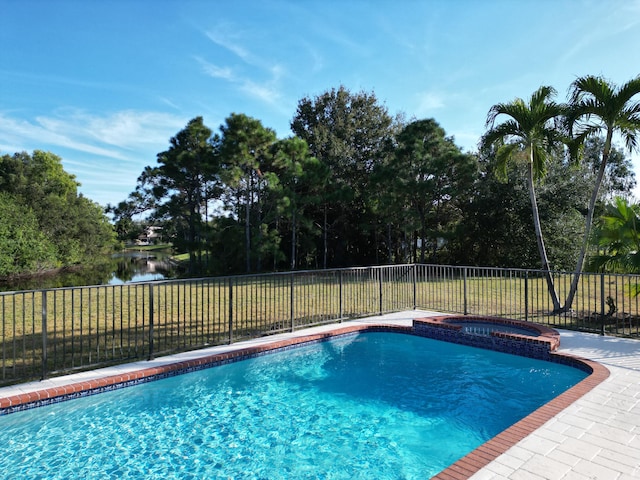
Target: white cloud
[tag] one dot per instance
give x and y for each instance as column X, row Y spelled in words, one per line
column 262, row 92
column 106, row 153
column 227, row 38
column 214, row 71
column 131, row 129
column 168, row 102
column 270, row 73
column 46, row 131
column 429, row 101
column 106, row 136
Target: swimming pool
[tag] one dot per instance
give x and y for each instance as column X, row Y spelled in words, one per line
column 369, row 405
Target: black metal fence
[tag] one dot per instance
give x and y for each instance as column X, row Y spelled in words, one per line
column 48, row 332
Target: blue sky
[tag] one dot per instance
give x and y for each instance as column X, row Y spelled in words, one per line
column 105, row 84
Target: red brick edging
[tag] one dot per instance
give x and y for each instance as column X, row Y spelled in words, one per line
column 492, row 449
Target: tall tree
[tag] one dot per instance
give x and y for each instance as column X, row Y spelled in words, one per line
column 426, row 179
column 497, row 229
column 348, row 133
column 529, row 134
column 244, row 148
column 598, row 106
column 619, row 179
column 23, row 245
column 297, row 179
column 181, row 183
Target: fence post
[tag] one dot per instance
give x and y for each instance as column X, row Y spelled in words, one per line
column 230, row 311
column 379, row 270
column 44, row 335
column 526, row 296
column 151, row 321
column 414, row 270
column 341, row 306
column 602, row 312
column 464, row 290
column 292, row 302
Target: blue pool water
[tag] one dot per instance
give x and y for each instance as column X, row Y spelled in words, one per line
column 486, row 328
column 372, row 405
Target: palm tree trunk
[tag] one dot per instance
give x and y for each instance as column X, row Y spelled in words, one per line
column 589, row 223
column 541, row 248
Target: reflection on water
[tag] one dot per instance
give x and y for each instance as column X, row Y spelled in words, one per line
column 125, row 267
column 141, row 267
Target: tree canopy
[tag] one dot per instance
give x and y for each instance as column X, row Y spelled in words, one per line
column 358, row 186
column 353, row 186
column 46, row 224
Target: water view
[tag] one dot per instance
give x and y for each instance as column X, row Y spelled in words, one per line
column 125, row 267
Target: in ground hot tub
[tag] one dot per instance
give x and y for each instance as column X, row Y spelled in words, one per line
column 504, row 335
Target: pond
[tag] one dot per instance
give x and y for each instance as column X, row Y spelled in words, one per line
column 124, row 267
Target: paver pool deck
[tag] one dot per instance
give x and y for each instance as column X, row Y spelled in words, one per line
column 595, row 437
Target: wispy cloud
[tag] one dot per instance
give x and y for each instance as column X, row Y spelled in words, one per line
column 228, row 37
column 267, row 92
column 601, row 27
column 264, row 76
column 106, row 153
column 107, row 136
column 429, row 101
column 168, row 102
column 132, row 129
column 46, row 131
column 215, row 71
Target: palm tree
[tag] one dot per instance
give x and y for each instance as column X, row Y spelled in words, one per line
column 529, row 133
column 618, row 238
column 597, row 106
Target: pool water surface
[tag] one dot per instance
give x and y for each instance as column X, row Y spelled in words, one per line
column 368, row 405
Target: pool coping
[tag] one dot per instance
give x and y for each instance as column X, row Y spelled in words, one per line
column 461, row 469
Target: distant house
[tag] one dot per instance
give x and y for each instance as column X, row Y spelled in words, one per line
column 150, row 236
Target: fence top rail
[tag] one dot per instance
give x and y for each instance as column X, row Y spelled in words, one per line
column 216, row 278
column 532, row 271
column 242, row 277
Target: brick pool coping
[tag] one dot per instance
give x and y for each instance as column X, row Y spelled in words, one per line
column 461, row 469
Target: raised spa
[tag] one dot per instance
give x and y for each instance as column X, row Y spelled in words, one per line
column 504, row 335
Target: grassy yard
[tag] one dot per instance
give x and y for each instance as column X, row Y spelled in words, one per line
column 98, row 325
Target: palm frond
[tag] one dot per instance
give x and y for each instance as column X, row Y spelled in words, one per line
column 504, row 155
column 516, row 110
column 593, row 86
column 501, row 133
column 630, row 89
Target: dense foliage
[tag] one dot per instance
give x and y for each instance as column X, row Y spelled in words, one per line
column 45, row 223
column 356, row 186
column 353, row 186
